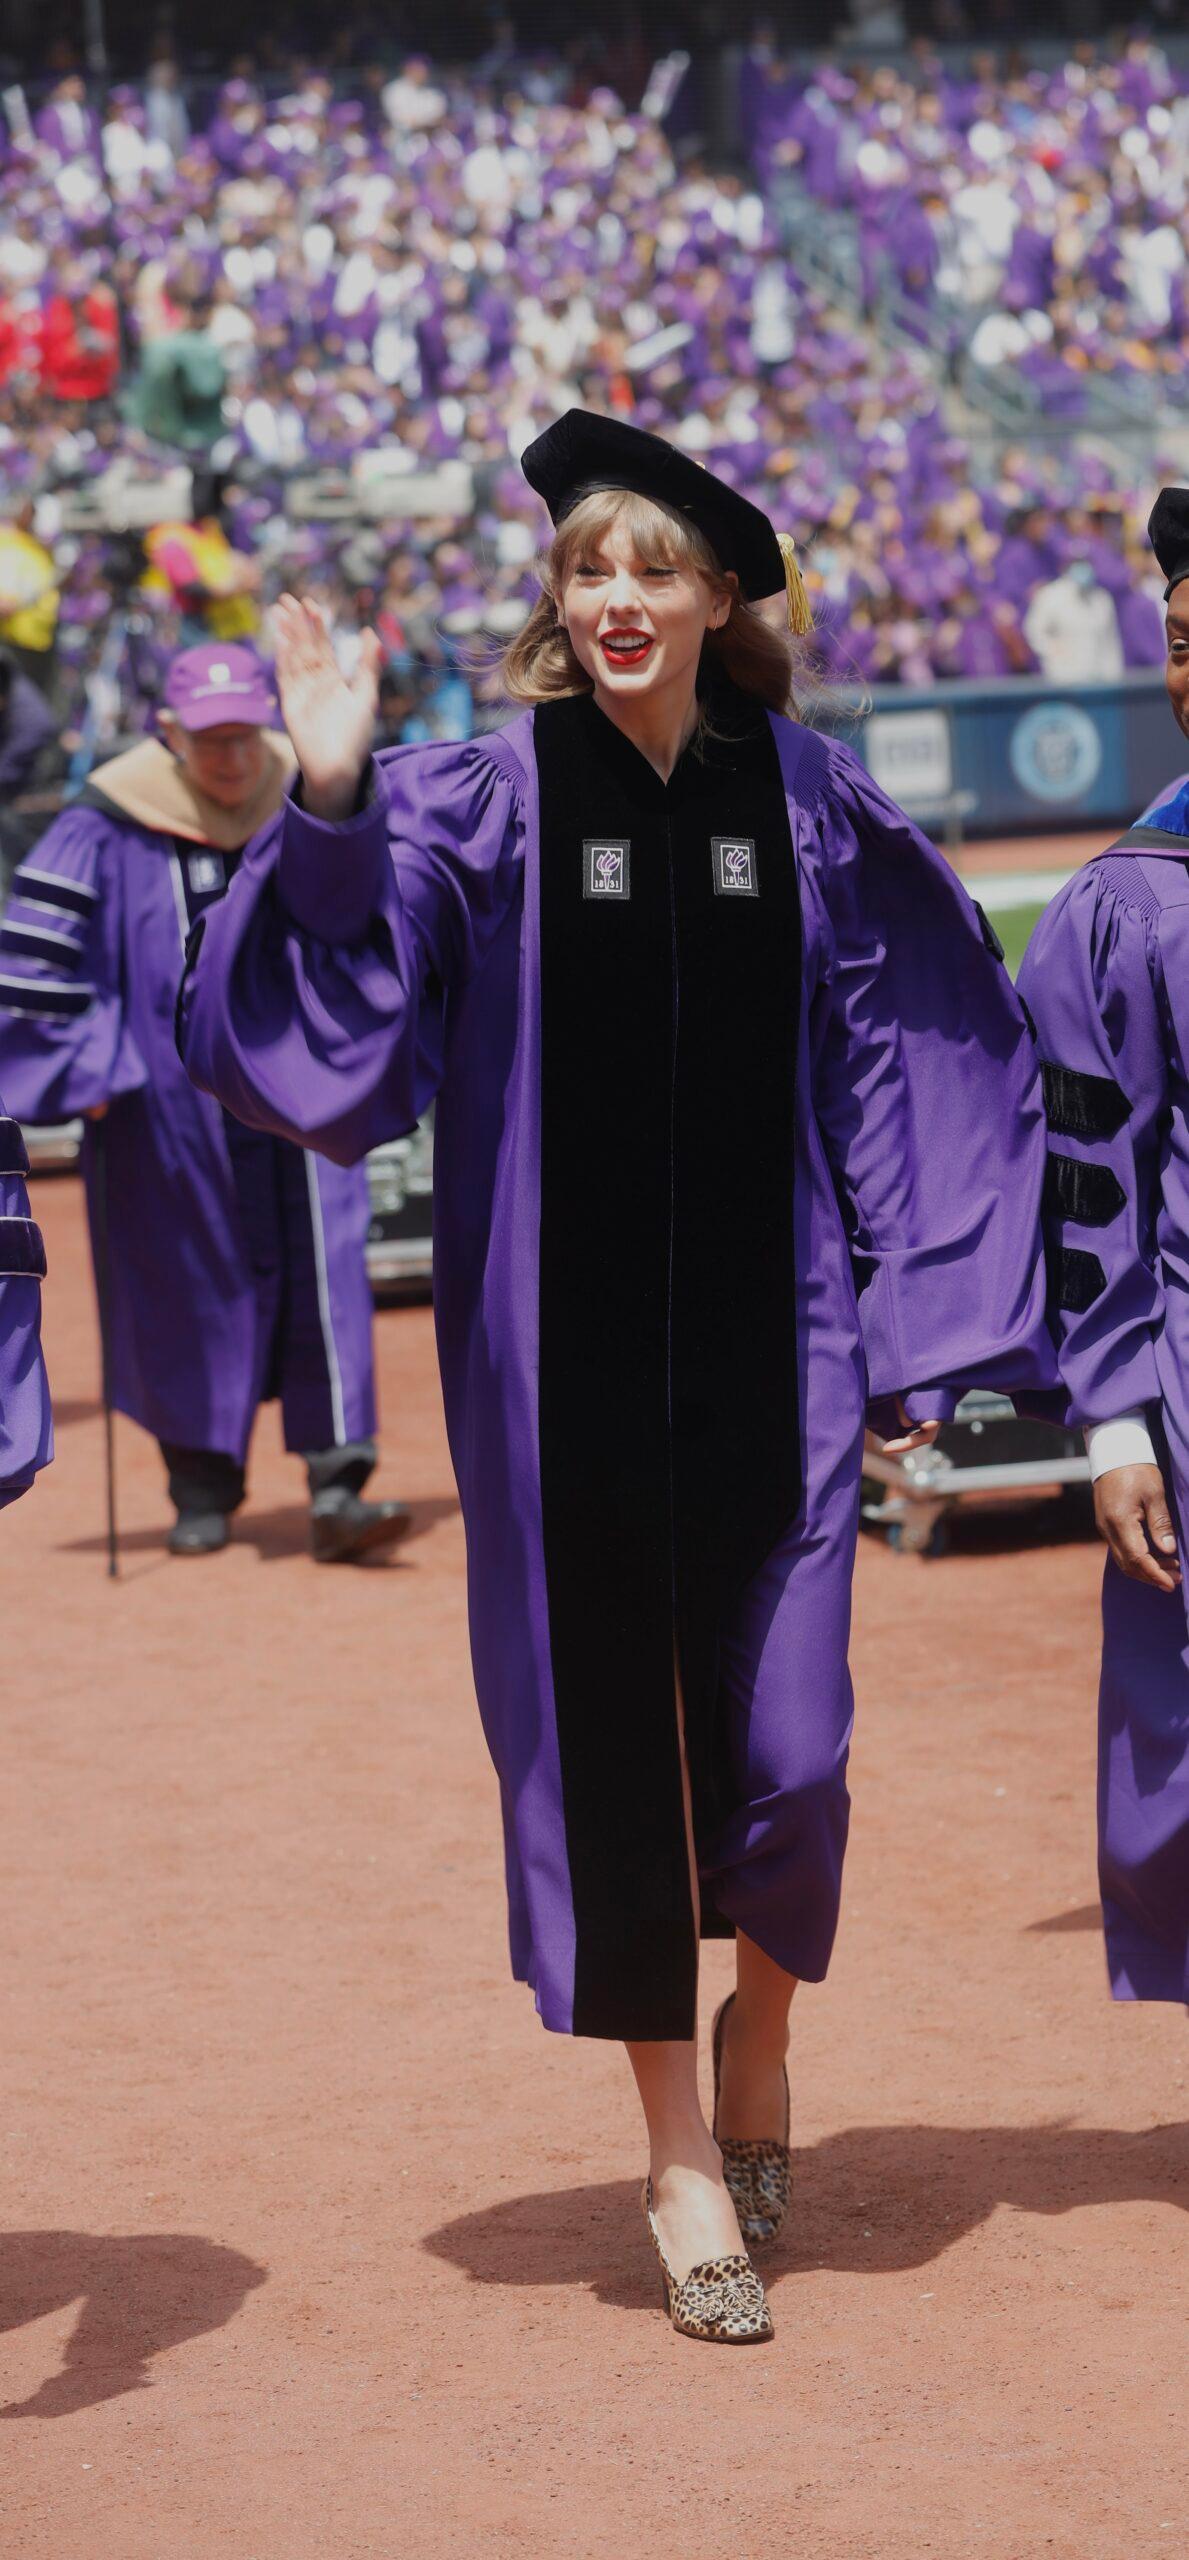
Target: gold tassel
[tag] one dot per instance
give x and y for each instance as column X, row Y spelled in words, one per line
column 799, row 609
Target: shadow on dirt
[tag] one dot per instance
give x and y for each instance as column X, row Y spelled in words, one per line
column 875, row 2200
column 275, row 1535
column 140, row 2295
column 1067, row 1923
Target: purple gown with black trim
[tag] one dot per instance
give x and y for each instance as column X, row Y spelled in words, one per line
column 739, row 1135
column 26, row 1429
column 236, row 1265
column 1106, row 977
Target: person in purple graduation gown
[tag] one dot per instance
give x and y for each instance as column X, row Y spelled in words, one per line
column 235, row 1263
column 1106, row 976
column 26, row 1428
column 739, row 1145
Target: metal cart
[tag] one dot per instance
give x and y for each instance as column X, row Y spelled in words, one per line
column 400, row 1230
column 986, row 1458
column 400, row 1183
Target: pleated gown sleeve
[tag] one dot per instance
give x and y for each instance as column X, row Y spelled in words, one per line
column 26, row 1431
column 1091, row 979
column 65, row 1044
column 928, row 1098
column 316, row 996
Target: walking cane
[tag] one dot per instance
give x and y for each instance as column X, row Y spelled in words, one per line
column 103, row 1292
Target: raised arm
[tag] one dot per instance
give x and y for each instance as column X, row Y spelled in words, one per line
column 316, row 992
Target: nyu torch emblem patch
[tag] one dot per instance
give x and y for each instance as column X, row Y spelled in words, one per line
column 606, row 867
column 206, row 871
column 734, row 867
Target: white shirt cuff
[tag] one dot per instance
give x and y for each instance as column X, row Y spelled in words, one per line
column 1125, row 1442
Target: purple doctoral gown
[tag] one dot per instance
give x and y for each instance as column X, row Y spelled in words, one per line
column 26, row 1431
column 234, row 1273
column 446, row 941
column 1106, row 976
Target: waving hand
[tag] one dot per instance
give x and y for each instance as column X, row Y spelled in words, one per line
column 330, row 721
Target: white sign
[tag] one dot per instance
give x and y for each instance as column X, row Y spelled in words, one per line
column 908, row 754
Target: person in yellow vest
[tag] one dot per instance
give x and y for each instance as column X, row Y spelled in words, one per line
column 28, row 597
column 211, row 585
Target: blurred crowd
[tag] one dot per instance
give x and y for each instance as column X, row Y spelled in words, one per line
column 326, row 326
column 1042, row 212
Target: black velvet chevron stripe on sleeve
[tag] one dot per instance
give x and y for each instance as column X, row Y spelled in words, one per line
column 14, row 1155
column 1090, row 1194
column 52, row 889
column 44, row 996
column 1080, row 1105
column 1080, row 1280
column 22, row 1250
column 39, row 942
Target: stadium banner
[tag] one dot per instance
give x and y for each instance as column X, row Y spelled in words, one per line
column 1020, row 756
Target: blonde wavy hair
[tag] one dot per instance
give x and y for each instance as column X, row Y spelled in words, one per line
column 540, row 664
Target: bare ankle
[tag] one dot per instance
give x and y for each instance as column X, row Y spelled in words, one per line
column 693, row 2152
column 765, row 2035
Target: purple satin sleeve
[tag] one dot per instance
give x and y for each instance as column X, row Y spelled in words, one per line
column 1091, row 978
column 315, row 997
column 65, row 1044
column 928, row 1096
column 26, row 1427
column 331, row 879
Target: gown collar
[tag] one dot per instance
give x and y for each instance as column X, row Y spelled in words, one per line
column 705, row 761
column 1163, row 826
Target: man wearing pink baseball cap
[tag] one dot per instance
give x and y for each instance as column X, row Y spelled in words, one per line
column 234, row 1264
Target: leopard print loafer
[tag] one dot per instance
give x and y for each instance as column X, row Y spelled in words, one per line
column 758, row 2175
column 720, row 2300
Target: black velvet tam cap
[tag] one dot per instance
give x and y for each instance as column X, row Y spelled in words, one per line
column 583, row 452
column 1168, row 533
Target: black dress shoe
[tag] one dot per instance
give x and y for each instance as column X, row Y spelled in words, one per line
column 350, row 1527
column 198, row 1533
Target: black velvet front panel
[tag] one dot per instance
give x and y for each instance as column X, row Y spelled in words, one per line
column 670, row 1460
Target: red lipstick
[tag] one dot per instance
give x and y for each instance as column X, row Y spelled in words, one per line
column 625, row 648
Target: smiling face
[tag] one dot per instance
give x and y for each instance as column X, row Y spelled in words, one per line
column 1176, row 665
column 227, row 763
column 637, row 592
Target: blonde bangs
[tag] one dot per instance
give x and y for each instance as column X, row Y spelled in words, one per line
column 660, row 536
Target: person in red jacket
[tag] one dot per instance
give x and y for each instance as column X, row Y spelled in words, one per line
column 80, row 339
column 20, row 340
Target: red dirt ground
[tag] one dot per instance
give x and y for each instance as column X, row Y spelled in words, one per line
column 315, row 2247
column 1031, row 853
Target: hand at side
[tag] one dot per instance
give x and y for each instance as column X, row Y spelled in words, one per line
column 1131, row 1508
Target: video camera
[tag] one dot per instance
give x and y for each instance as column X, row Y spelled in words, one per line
column 126, row 499
column 380, row 487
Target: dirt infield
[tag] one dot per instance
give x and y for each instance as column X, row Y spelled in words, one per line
column 315, row 2247
column 1031, row 853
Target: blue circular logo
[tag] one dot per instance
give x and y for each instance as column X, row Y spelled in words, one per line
column 1056, row 752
